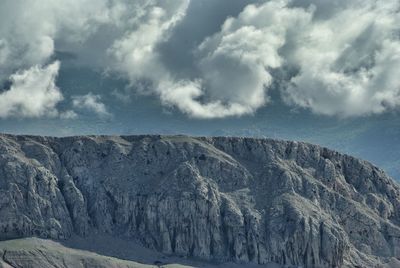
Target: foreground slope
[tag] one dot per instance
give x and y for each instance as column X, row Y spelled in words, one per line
column 32, row 252
column 227, row 199
column 43, row 253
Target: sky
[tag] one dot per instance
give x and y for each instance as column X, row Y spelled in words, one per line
column 320, row 71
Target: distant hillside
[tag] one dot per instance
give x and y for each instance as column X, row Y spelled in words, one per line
column 214, row 199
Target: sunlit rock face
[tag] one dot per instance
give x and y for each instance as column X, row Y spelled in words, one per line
column 226, row 199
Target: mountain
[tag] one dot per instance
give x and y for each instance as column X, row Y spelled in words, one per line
column 375, row 138
column 219, row 199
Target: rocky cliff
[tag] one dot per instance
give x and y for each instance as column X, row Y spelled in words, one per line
column 227, row 199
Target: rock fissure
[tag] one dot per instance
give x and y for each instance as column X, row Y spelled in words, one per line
column 5, row 260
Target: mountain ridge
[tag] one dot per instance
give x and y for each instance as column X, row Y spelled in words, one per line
column 225, row 198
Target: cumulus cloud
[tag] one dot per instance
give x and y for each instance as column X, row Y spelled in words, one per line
column 136, row 53
column 342, row 66
column 184, row 94
column 92, row 103
column 343, row 56
column 137, row 56
column 28, row 30
column 33, row 93
column 349, row 62
column 233, row 65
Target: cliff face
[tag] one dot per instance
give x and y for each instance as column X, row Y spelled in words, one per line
column 246, row 200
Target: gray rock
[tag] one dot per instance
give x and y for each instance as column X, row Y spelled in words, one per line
column 43, row 253
column 227, row 199
column 33, row 252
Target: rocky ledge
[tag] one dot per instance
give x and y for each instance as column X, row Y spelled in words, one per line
column 227, row 199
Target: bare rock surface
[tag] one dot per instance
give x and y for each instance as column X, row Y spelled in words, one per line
column 34, row 252
column 216, row 199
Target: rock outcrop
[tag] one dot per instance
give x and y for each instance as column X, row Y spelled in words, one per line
column 228, row 199
column 33, row 253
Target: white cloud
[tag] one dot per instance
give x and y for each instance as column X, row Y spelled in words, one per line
column 346, row 52
column 136, row 53
column 28, row 32
column 347, row 57
column 33, row 93
column 350, row 62
column 233, row 64
column 92, row 103
column 184, row 95
column 70, row 114
column 28, row 29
